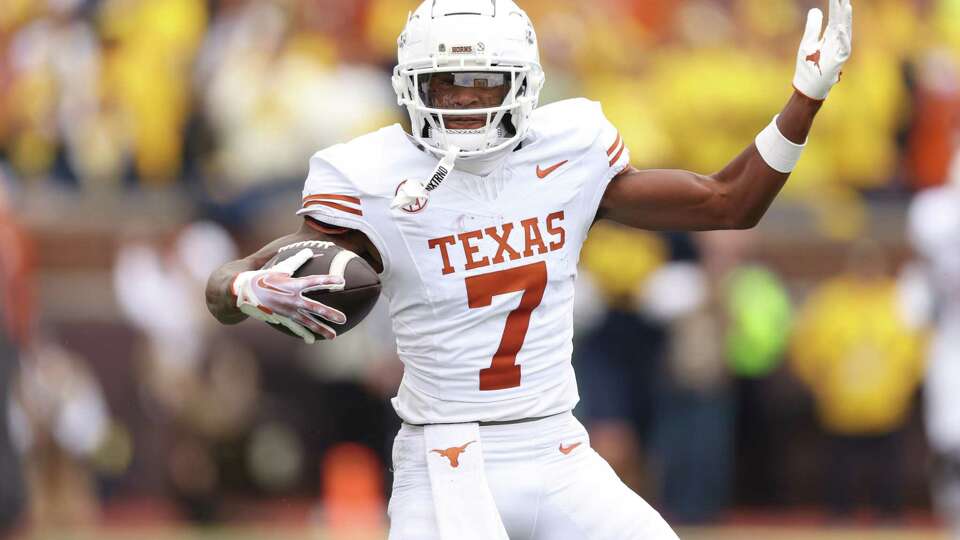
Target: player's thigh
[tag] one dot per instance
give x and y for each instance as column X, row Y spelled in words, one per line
column 411, row 510
column 585, row 500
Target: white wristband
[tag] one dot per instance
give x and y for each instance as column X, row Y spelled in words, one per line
column 780, row 153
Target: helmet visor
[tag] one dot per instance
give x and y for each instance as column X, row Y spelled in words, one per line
column 463, row 90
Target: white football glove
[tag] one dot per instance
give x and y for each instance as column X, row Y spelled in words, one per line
column 273, row 296
column 820, row 60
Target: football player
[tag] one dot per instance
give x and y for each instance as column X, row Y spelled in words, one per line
column 475, row 221
column 934, row 231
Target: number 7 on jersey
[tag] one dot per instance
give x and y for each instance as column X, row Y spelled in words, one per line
column 504, row 372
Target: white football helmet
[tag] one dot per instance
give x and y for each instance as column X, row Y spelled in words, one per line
column 477, row 43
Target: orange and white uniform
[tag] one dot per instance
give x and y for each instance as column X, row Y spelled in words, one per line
column 480, row 283
column 479, row 280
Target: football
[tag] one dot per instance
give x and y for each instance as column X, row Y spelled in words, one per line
column 362, row 284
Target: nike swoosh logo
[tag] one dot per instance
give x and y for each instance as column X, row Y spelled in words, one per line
column 262, row 283
column 543, row 173
column 567, row 449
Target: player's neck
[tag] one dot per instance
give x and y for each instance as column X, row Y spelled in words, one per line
column 481, row 165
column 487, row 164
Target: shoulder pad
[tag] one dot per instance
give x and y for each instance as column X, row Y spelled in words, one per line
column 578, row 122
column 357, row 160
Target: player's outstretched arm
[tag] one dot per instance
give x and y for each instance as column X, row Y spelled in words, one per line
column 739, row 195
column 240, row 288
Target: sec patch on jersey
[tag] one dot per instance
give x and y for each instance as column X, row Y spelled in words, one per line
column 361, row 283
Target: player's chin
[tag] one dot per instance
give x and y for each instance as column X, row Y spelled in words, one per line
column 464, row 123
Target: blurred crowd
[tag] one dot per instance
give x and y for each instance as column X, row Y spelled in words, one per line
column 718, row 371
column 228, row 95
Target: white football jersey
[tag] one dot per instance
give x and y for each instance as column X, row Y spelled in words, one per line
column 480, row 277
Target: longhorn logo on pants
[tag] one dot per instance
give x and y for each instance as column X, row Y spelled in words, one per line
column 453, row 454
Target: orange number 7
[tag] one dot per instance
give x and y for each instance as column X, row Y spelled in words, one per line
column 532, row 280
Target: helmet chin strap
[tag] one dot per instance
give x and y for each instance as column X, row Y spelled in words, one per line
column 415, row 191
column 412, row 191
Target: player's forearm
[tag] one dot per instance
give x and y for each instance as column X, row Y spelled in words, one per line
column 797, row 116
column 757, row 175
column 221, row 301
column 750, row 183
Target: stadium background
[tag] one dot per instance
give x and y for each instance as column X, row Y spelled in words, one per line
column 764, row 382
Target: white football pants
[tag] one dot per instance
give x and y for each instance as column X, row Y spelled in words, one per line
column 541, row 492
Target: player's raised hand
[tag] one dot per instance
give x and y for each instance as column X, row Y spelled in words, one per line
column 821, row 59
column 273, row 296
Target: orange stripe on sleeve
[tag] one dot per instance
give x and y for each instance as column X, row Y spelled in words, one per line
column 335, row 206
column 321, row 196
column 620, row 153
column 615, row 144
